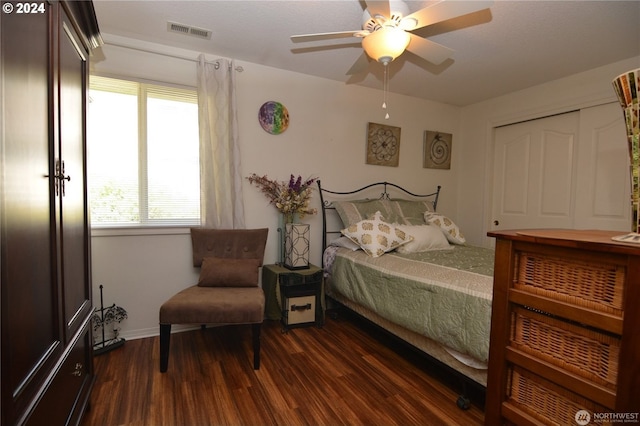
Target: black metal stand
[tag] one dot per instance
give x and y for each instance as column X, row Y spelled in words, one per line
column 103, row 316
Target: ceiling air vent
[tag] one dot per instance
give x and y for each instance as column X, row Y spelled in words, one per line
column 174, row 27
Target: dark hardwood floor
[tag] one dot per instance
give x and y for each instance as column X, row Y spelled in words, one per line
column 341, row 374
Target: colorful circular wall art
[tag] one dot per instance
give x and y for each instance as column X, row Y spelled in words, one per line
column 273, row 117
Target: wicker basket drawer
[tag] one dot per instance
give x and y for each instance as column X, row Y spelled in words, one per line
column 545, row 401
column 597, row 286
column 587, row 353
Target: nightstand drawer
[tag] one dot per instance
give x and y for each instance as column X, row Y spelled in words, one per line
column 299, row 310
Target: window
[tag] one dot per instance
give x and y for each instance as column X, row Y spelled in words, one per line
column 143, row 154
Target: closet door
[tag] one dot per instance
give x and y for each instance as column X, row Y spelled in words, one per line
column 564, row 171
column 534, row 173
column 31, row 336
column 603, row 196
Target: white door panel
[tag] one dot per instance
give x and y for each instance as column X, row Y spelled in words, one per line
column 556, row 174
column 603, row 200
column 534, row 173
column 515, row 179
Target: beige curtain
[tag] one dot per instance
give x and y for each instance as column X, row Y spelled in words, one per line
column 220, row 172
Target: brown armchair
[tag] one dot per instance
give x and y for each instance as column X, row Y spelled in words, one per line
column 227, row 292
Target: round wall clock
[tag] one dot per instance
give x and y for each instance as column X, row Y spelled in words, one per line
column 273, row 117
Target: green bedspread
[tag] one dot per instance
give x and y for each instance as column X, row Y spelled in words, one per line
column 444, row 295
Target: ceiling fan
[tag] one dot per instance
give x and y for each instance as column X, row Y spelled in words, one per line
column 386, row 30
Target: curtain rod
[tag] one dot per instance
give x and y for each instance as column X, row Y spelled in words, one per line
column 170, row 55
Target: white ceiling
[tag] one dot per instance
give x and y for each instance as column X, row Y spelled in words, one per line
column 511, row 46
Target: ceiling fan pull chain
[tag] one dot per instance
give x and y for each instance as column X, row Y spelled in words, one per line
column 385, row 89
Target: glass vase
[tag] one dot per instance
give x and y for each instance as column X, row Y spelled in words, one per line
column 627, row 86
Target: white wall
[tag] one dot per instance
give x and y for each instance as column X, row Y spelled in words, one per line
column 474, row 171
column 326, row 139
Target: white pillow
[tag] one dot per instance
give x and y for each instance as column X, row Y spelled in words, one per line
column 346, row 243
column 375, row 236
column 425, row 238
column 450, row 229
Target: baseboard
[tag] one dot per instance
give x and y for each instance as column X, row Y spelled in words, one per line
column 155, row 331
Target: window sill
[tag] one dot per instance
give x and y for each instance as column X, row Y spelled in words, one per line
column 135, row 231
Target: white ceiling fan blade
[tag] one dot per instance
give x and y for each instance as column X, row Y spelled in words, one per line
column 326, row 36
column 441, row 11
column 376, row 7
column 429, row 50
column 360, row 65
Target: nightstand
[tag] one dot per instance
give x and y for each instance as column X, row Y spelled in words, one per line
column 293, row 297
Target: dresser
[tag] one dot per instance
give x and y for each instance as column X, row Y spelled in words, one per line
column 565, row 329
column 46, row 369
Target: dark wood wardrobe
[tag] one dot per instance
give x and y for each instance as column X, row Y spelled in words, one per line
column 46, row 367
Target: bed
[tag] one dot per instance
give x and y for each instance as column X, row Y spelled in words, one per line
column 434, row 295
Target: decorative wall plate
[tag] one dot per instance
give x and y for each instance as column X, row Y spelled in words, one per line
column 273, row 117
column 383, row 145
column 437, row 150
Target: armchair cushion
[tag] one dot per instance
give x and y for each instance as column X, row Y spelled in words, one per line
column 214, row 305
column 219, row 272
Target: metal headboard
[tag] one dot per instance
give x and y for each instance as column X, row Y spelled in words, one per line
column 384, row 195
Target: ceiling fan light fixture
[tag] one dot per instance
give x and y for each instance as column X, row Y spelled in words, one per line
column 386, row 44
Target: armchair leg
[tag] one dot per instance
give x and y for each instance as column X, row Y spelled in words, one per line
column 255, row 332
column 165, row 338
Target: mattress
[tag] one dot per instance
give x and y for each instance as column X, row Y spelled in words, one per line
column 444, row 295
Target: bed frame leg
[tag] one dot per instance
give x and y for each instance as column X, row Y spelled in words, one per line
column 463, row 402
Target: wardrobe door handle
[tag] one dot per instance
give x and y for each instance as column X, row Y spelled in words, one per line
column 78, row 370
column 60, row 177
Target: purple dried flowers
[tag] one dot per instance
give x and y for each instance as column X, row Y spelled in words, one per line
column 290, row 198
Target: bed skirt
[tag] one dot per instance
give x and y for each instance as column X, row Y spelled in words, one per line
column 425, row 344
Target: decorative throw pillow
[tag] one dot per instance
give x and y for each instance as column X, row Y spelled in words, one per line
column 375, row 236
column 450, row 229
column 219, row 272
column 425, row 238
